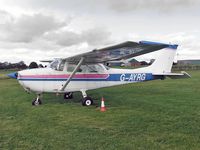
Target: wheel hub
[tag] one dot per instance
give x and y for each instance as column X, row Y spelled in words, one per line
column 88, row 102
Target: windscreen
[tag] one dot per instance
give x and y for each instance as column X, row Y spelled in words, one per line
column 58, row 64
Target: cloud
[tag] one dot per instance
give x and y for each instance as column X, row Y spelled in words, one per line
column 26, row 28
column 189, row 46
column 64, row 38
column 29, row 31
column 32, row 29
column 5, row 17
column 41, row 36
column 97, row 36
column 94, row 36
column 159, row 5
column 116, row 5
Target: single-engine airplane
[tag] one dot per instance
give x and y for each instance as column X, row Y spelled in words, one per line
column 87, row 71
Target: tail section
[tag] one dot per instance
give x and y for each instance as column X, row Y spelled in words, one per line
column 164, row 62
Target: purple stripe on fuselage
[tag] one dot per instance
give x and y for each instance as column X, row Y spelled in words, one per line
column 126, row 77
column 77, row 76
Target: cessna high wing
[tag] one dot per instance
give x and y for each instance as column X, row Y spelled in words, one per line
column 87, row 71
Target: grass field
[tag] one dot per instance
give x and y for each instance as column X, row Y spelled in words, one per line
column 151, row 116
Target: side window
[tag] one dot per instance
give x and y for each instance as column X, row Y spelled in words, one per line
column 99, row 68
column 83, row 69
column 71, row 67
column 86, row 68
column 92, row 68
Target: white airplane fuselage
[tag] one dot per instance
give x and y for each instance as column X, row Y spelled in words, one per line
column 82, row 72
column 49, row 80
column 52, row 79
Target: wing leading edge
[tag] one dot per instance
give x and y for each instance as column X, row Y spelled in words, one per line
column 117, row 52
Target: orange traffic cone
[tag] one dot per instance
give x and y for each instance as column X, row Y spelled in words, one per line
column 103, row 107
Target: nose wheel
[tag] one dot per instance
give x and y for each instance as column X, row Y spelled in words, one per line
column 86, row 101
column 37, row 101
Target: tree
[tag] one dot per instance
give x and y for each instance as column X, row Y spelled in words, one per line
column 21, row 65
column 33, row 65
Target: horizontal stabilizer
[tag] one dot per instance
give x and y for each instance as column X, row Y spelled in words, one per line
column 181, row 75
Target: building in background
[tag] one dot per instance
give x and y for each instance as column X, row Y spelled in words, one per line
column 134, row 63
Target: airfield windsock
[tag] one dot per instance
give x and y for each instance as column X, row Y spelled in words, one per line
column 103, row 107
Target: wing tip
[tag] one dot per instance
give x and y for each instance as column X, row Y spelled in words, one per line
column 172, row 46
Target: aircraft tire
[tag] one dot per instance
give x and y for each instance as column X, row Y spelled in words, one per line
column 68, row 95
column 87, row 101
column 36, row 103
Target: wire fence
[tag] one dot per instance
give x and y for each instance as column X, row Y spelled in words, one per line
column 185, row 67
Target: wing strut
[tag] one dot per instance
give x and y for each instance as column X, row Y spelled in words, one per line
column 72, row 74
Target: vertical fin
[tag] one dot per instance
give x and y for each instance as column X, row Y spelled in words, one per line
column 163, row 63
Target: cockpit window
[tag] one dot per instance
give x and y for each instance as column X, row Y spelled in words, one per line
column 86, row 68
column 54, row 64
column 58, row 64
column 71, row 67
column 89, row 68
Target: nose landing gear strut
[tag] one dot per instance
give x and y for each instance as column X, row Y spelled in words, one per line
column 37, row 101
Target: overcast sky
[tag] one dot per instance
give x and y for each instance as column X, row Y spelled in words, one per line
column 33, row 30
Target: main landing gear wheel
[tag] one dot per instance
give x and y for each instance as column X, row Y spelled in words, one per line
column 87, row 101
column 68, row 95
column 37, row 101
